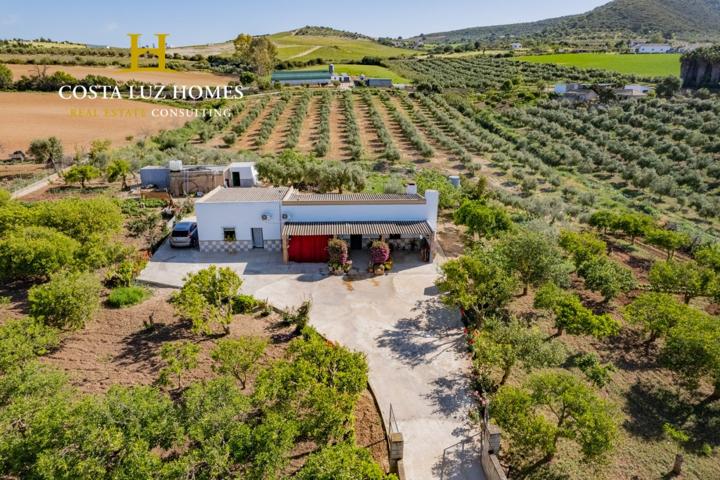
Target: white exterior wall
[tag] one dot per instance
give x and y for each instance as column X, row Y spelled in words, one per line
column 654, row 49
column 213, row 217
column 355, row 213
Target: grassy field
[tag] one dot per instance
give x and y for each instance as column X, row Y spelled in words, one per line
column 307, row 47
column 647, row 65
column 374, row 71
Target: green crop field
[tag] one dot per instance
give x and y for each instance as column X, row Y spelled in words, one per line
column 331, row 48
column 367, row 70
column 651, row 65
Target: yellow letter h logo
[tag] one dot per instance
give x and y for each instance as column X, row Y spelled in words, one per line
column 136, row 52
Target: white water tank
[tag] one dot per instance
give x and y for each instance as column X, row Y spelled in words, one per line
column 455, row 180
column 175, row 165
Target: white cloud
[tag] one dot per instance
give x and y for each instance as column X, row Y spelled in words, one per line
column 111, row 26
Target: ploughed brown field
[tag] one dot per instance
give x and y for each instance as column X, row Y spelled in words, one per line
column 27, row 116
column 170, row 77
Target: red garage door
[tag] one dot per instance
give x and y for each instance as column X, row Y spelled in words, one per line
column 311, row 248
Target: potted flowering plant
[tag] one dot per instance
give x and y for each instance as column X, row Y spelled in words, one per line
column 338, row 261
column 379, row 256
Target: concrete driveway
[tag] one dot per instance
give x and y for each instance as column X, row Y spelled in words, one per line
column 414, row 346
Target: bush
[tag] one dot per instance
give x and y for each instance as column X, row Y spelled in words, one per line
column 337, row 252
column 31, row 253
column 126, row 296
column 379, row 252
column 244, row 304
column 24, row 339
column 125, row 272
column 68, row 300
column 341, row 461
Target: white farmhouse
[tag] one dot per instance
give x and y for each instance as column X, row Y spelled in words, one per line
column 652, row 48
column 516, row 46
column 300, row 224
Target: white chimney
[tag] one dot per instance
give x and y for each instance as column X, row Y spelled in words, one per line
column 411, row 188
column 432, row 201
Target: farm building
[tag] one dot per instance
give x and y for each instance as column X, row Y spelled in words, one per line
column 300, row 224
column 303, row 77
column 516, row 46
column 582, row 95
column 652, row 48
column 379, row 82
column 181, row 180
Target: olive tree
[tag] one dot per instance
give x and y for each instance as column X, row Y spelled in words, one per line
column 692, row 350
column 668, row 240
column 68, row 300
column 571, row 316
column 501, row 345
column 179, row 357
column 238, row 357
column 478, row 283
column 46, row 150
column 534, row 257
column 690, row 279
column 656, row 313
column 550, row 407
column 606, row 277
column 81, row 174
column 341, row 461
column 482, row 219
column 32, row 253
column 206, row 298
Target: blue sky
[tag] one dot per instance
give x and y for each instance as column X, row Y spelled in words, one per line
column 206, row 21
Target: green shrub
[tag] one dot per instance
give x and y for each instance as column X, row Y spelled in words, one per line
column 68, row 300
column 126, row 296
column 24, row 339
column 341, row 461
column 35, row 253
column 244, row 304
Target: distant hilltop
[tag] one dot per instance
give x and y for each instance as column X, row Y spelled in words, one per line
column 696, row 20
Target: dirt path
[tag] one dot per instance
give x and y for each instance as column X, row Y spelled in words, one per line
column 308, row 132
column 306, row 52
column 276, row 142
column 338, row 136
column 406, row 149
column 368, row 136
column 247, row 141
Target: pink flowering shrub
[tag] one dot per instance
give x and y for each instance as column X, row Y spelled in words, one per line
column 379, row 252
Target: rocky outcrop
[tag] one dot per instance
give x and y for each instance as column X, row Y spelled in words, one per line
column 701, row 68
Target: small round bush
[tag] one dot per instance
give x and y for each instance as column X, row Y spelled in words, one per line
column 126, row 296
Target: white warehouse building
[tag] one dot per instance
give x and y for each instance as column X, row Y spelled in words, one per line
column 300, row 224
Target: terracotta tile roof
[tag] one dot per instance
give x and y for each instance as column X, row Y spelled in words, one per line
column 357, row 228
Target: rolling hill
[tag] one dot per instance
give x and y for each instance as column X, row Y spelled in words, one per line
column 308, row 43
column 686, row 19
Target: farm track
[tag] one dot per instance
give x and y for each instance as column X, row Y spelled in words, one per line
column 276, row 142
column 368, row 136
column 308, row 132
column 247, row 142
column 407, row 150
column 338, row 136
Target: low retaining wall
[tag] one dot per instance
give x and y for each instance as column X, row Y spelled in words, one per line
column 222, row 246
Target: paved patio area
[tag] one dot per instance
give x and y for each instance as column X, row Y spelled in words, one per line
column 414, row 346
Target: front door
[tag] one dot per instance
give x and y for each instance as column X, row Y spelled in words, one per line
column 235, row 179
column 355, row 242
column 257, row 238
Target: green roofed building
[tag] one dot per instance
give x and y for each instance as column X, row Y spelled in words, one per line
column 302, row 77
